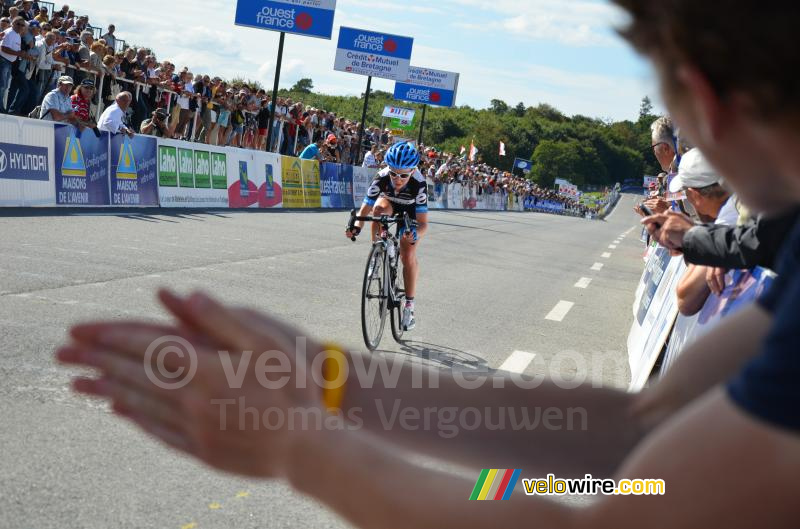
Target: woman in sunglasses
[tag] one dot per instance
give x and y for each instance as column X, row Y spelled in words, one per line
column 400, row 188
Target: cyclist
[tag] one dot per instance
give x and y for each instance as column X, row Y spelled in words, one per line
column 397, row 189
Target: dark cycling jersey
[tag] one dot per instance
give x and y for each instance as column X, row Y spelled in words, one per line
column 413, row 198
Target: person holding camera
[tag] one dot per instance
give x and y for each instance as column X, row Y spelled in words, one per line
column 156, row 125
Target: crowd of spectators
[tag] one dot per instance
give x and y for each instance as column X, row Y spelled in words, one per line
column 45, row 52
column 51, row 67
column 481, row 179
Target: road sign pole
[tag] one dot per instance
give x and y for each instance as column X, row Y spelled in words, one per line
column 275, row 91
column 363, row 123
column 422, row 124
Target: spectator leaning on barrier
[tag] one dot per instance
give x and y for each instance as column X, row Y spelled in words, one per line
column 113, row 118
column 10, row 53
column 82, row 103
column 57, row 105
column 713, row 203
column 313, row 151
column 371, row 160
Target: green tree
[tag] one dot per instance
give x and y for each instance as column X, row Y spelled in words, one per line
column 303, row 86
column 646, row 108
column 498, row 106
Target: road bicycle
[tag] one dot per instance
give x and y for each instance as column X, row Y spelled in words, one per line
column 383, row 290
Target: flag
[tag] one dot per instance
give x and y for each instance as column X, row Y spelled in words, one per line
column 463, row 150
column 473, row 151
column 502, row 149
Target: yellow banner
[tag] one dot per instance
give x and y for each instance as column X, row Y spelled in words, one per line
column 300, row 183
column 310, row 169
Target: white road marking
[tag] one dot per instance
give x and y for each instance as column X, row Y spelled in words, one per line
column 612, row 246
column 517, row 362
column 560, row 311
column 597, row 266
column 583, row 282
column 606, row 255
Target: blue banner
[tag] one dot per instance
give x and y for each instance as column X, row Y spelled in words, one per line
column 81, row 160
column 428, row 86
column 311, row 18
column 21, row 162
column 424, row 95
column 134, row 180
column 381, row 55
column 361, row 40
column 336, row 186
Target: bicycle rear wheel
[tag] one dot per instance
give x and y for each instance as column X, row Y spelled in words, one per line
column 373, row 298
column 397, row 304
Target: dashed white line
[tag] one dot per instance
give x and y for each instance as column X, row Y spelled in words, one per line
column 606, row 255
column 560, row 311
column 612, row 246
column 517, row 362
column 597, row 266
column 583, row 282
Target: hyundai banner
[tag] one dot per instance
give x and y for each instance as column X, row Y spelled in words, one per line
column 311, row 18
column 381, row 55
column 428, row 87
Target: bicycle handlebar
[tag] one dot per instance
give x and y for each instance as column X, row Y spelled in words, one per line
column 384, row 220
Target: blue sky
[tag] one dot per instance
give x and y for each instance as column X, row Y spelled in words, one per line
column 560, row 52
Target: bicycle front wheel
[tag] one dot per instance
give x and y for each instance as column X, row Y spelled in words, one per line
column 373, row 298
column 397, row 303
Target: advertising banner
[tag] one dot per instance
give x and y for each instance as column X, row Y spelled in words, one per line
column 311, row 189
column 26, row 162
column 399, row 113
column 254, row 179
column 655, row 315
column 134, row 170
column 428, row 86
column 373, row 54
column 300, row 183
column 189, row 178
column 82, row 162
column 743, row 288
column 310, row 18
column 336, row 185
column 362, row 179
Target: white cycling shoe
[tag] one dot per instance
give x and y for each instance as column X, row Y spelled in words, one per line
column 409, row 322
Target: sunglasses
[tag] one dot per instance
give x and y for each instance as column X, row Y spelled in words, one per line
column 399, row 176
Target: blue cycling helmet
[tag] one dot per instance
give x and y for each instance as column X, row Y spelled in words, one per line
column 402, row 155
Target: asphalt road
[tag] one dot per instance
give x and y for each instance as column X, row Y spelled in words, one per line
column 489, row 282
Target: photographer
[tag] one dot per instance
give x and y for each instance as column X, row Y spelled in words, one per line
column 156, row 125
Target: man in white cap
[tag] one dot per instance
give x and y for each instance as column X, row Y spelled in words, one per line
column 57, row 105
column 704, row 190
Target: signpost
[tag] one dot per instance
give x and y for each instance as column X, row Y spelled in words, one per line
column 364, row 52
column 310, row 18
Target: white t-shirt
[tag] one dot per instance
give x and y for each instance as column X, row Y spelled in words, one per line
column 112, row 119
column 13, row 41
column 728, row 214
column 182, row 100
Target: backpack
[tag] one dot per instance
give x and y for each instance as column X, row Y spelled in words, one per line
column 36, row 113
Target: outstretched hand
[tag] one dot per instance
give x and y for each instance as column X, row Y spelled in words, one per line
column 219, row 385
